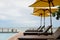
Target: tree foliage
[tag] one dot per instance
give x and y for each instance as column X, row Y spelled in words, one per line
column 57, row 14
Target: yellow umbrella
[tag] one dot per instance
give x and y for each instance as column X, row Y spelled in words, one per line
column 42, row 13
column 44, row 3
column 39, row 11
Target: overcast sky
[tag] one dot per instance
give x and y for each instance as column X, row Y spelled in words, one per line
column 16, row 13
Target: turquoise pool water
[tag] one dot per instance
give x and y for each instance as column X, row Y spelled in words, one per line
column 5, row 36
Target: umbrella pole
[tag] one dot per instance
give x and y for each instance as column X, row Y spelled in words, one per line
column 41, row 20
column 50, row 15
column 44, row 18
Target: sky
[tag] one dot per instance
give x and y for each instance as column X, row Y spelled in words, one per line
column 16, row 13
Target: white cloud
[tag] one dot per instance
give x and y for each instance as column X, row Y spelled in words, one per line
column 14, row 8
column 2, row 4
column 2, row 17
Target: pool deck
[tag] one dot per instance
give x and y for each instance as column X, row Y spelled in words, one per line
column 20, row 35
column 36, row 37
column 16, row 36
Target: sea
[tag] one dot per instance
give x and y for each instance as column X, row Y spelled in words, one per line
column 6, row 36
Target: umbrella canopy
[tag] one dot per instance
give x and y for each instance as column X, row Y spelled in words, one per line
column 37, row 11
column 40, row 13
column 44, row 3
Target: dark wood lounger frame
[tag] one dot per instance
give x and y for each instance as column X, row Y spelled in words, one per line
column 39, row 33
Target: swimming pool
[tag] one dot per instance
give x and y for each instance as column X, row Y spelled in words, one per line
column 5, row 36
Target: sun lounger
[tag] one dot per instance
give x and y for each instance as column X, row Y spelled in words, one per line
column 45, row 32
column 54, row 36
column 40, row 28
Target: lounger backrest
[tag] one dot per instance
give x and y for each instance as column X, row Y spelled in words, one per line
column 47, row 28
column 41, row 28
column 57, row 33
